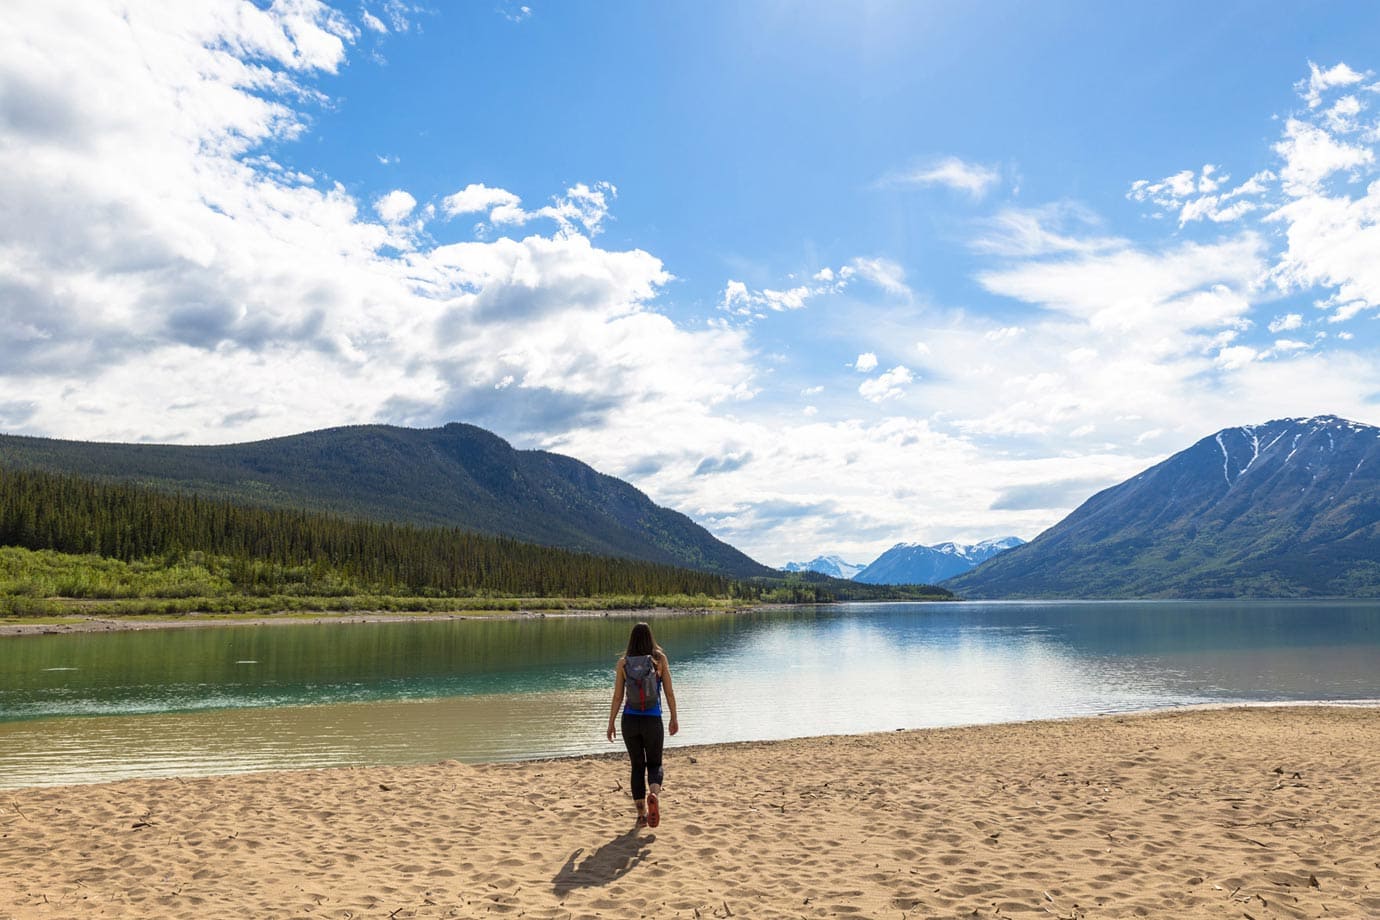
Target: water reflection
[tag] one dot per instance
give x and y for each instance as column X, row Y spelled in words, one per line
column 99, row 706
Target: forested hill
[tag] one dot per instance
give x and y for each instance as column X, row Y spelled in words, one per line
column 456, row 476
column 278, row 550
column 188, row 544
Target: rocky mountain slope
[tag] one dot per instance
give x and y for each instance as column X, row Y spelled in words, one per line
column 1290, row 508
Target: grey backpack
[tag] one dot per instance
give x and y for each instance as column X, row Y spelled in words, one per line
column 641, row 689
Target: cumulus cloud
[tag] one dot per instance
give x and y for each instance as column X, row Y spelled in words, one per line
column 1311, row 154
column 1320, row 81
column 888, row 385
column 972, row 179
column 1331, row 223
column 164, row 277
column 478, row 197
column 1233, row 357
column 395, row 206
column 740, row 301
column 1286, row 322
column 866, row 362
column 582, row 209
column 1200, row 196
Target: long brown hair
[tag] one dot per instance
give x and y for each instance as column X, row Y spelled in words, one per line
column 640, row 642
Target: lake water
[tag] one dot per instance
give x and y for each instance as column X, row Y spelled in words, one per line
column 90, row 707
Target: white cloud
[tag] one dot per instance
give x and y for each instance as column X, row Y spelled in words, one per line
column 1194, row 196
column 1320, row 81
column 1346, row 311
column 476, row 198
column 884, row 273
column 1332, row 231
column 400, row 13
column 1286, row 322
column 166, row 278
column 1311, row 154
column 866, row 363
column 888, row 385
column 395, row 206
column 1234, row 357
column 1054, row 229
column 740, row 301
column 747, row 304
column 1342, row 115
column 972, row 179
column 582, row 209
column 372, row 22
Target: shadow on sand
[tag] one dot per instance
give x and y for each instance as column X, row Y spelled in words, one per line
column 610, row 862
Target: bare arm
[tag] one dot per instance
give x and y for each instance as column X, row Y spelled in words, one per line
column 617, row 697
column 669, row 691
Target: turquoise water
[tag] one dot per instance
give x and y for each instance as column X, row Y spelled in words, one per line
column 181, row 702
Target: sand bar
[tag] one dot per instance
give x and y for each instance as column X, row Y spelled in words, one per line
column 1256, row 812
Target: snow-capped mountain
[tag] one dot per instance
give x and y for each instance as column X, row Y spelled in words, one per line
column 919, row 564
column 1290, row 508
column 831, row 565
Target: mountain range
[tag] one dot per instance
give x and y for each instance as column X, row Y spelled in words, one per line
column 830, row 565
column 1290, row 508
column 917, row 564
column 456, row 476
column 909, row 563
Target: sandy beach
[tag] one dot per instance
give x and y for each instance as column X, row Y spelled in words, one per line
column 1256, row 812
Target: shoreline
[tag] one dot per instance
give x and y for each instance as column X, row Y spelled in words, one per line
column 137, row 622
column 673, row 749
column 1266, row 811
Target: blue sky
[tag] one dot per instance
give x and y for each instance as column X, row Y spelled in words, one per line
column 825, row 277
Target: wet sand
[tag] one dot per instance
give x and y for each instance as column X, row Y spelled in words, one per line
column 1254, row 812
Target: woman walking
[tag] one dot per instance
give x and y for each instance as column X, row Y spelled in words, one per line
column 638, row 682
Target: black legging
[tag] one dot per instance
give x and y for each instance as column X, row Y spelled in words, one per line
column 642, row 735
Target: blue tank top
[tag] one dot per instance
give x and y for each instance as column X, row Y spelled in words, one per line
column 629, row 708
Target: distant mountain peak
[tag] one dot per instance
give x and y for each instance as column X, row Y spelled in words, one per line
column 826, row 564
column 918, row 563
